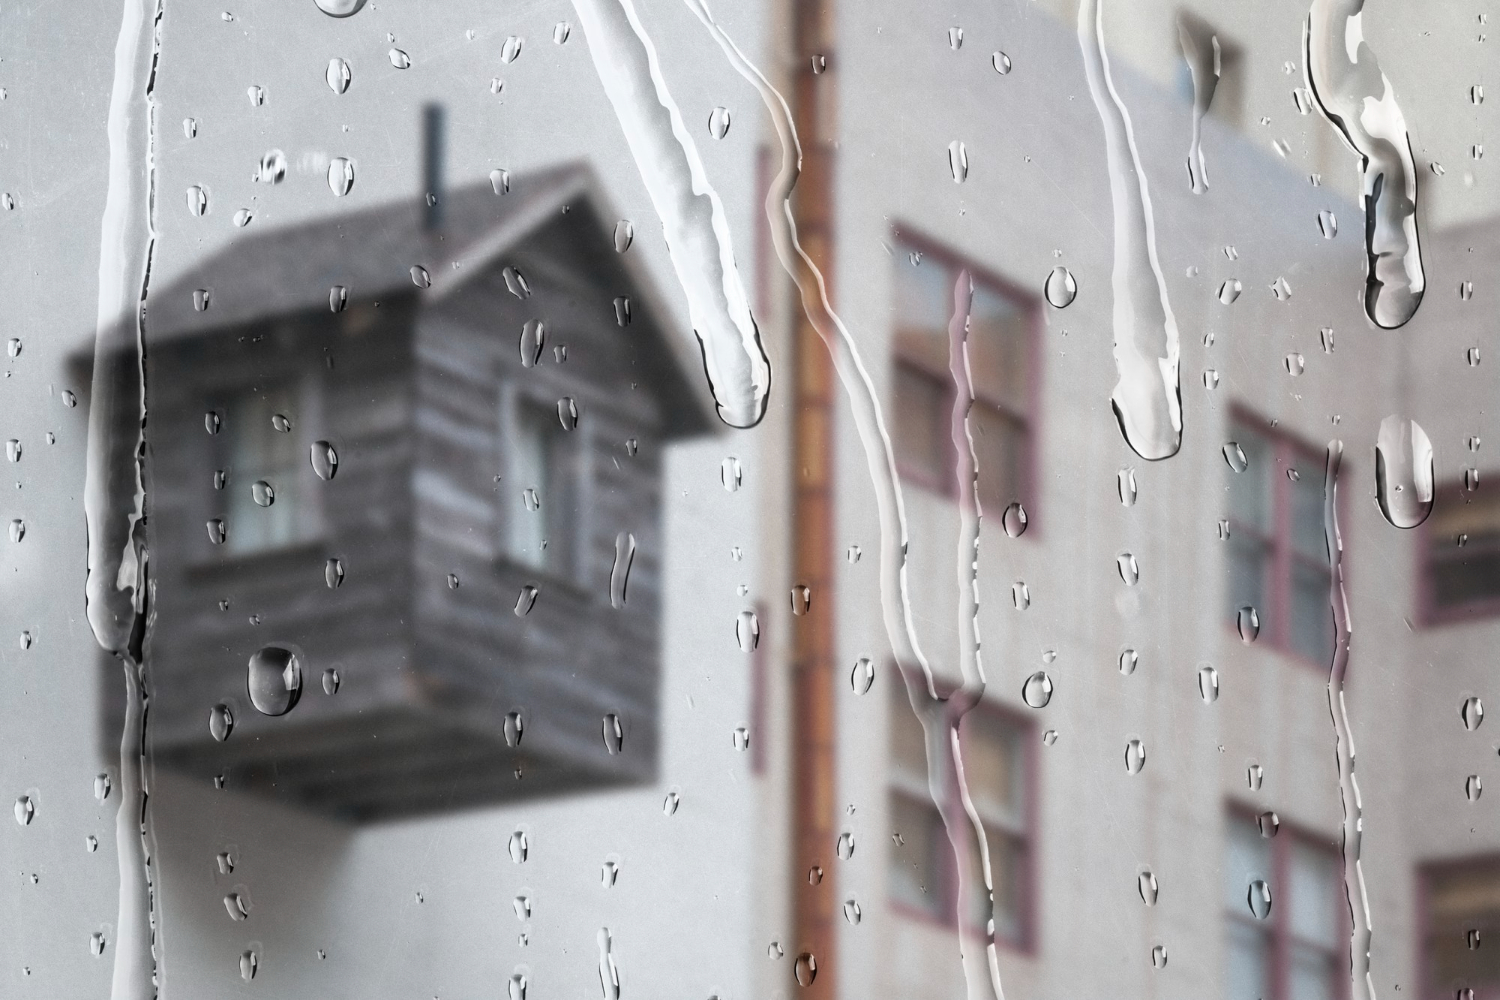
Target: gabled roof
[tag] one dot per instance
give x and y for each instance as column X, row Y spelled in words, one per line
column 291, row 270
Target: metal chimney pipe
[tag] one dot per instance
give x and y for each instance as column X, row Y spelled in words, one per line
column 432, row 167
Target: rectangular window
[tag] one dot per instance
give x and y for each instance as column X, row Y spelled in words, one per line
column 261, row 460
column 543, row 525
column 1278, row 557
column 1462, row 557
column 1002, row 329
column 1462, row 922
column 923, row 877
column 1286, row 941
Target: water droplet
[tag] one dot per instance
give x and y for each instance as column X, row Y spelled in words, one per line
column 1476, row 94
column 806, row 969
column 331, row 681
column 1473, row 788
column 242, row 217
column 1471, row 480
column 272, row 169
column 1159, row 957
column 1129, row 569
column 1001, row 62
column 1129, row 659
column 958, row 161
column 1014, row 520
column 671, row 802
column 249, row 964
column 730, row 474
column 819, row 64
column 1247, row 622
column 340, row 182
column 1235, row 456
column 190, row 128
column 1230, row 290
column 1037, row 691
column 102, row 787
column 1403, row 472
column 1208, row 683
column 525, row 600
column 1125, row 486
column 1473, row 357
column 614, row 734
column 13, row 450
column 619, row 573
column 420, row 277
column 256, row 94
column 238, row 906
column 500, row 183
column 1325, row 337
column 1145, row 884
column 1135, row 756
column 17, row 530
column 263, row 493
column 533, row 338
column 516, row 283
column 1471, row 938
column 624, row 235
column 718, row 122
column 1049, row 737
column 852, row 912
column 1060, row 288
column 25, row 810
column 801, row 599
column 338, row 298
column 1255, row 775
column 741, row 738
column 202, row 298
column 452, row 581
column 955, row 38
column 609, row 873
column 1210, row 379
column 399, row 59
column 561, row 31
column 1295, row 364
column 862, row 677
column 220, row 722
column 1020, row 595
column 96, row 943
column 1328, row 225
column 216, row 531
column 1472, row 713
column 340, row 8
column 197, row 200
column 333, row 573
column 338, row 75
column 1259, row 899
column 530, row 500
column 1281, row 289
column 567, row 413
column 517, row 984
column 1269, row 824
column 274, row 680
column 511, row 50
column 25, row 639
column 747, row 631
column 519, row 846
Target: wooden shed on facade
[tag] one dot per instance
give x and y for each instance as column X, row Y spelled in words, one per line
column 417, row 447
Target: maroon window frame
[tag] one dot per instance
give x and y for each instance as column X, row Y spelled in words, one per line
column 1024, row 417
column 1287, row 452
column 945, row 912
column 1278, row 925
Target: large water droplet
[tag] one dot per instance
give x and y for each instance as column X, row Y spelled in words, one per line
column 1255, row 775
column 331, row 681
column 1129, row 569
column 1020, row 595
column 333, row 572
column 516, row 283
column 1125, row 485
column 1037, row 691
column 340, row 177
column 272, row 169
column 1230, row 290
column 1129, row 659
column 324, row 459
column 525, row 600
column 274, row 680
column 1269, row 824
column 197, row 200
column 1473, row 788
column 338, row 75
column 220, row 722
column 238, row 906
column 533, row 339
column 1145, row 884
column 862, row 676
column 1235, row 456
column 806, row 969
column 619, row 573
column 845, row 846
column 1060, row 288
column 263, row 493
column 614, row 734
column 96, row 943
column 958, row 161
column 747, row 631
column 500, row 181
column 1159, row 957
column 249, row 964
column 624, row 235
column 216, row 532
column 340, row 8
column 1208, row 683
column 801, row 598
column 852, row 912
column 1327, row 224
column 399, row 59
column 1403, row 472
column 718, row 123
column 731, row 474
column 516, row 987
column 25, row 810
column 1001, row 62
column 1259, row 899
column 1472, row 713
column 1014, row 520
column 102, row 786
column 519, row 846
column 567, row 413
column 511, row 50
column 1135, row 756
column 1247, row 623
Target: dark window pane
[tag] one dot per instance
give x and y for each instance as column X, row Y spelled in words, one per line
column 261, row 453
column 1311, row 615
column 917, row 875
column 1251, row 496
column 1000, row 453
column 919, row 428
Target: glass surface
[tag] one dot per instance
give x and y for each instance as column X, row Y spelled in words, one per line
column 788, row 500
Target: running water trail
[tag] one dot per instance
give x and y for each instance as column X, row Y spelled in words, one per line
column 1204, row 65
column 939, row 717
column 114, row 495
column 1147, row 399
column 693, row 219
column 1355, row 96
column 1361, row 985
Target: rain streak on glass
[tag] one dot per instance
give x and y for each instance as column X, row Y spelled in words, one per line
column 1205, row 65
column 1403, row 472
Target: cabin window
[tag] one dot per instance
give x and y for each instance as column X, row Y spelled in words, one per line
column 922, row 878
column 1283, row 899
column 1002, row 329
column 544, row 523
column 1278, row 557
column 259, row 493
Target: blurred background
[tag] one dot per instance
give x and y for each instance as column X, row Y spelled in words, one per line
column 486, row 660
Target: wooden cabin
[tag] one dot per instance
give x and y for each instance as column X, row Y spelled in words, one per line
column 364, row 454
